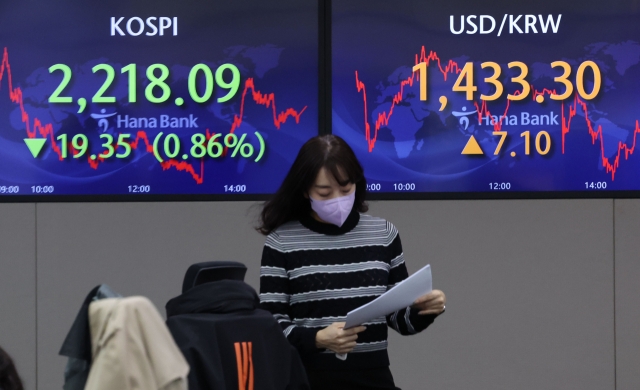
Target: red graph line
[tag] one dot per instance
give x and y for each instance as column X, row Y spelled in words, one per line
column 15, row 94
column 597, row 135
column 482, row 109
column 267, row 100
column 383, row 117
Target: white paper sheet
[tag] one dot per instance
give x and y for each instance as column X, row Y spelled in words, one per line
column 399, row 297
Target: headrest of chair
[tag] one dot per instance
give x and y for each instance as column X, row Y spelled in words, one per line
column 212, row 271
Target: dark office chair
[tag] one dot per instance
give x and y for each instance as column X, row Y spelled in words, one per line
column 212, row 271
column 227, row 339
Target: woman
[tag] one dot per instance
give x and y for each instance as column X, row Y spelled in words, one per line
column 9, row 379
column 323, row 258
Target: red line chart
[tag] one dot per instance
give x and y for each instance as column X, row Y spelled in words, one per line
column 37, row 128
column 452, row 67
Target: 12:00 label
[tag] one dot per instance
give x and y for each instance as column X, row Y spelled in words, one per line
column 139, row 189
column 499, row 186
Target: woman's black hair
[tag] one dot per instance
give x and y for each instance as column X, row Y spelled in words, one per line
column 9, row 379
column 289, row 202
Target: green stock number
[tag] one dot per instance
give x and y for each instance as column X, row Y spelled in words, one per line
column 201, row 82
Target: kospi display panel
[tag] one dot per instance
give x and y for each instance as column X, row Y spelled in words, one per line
column 490, row 98
column 154, row 97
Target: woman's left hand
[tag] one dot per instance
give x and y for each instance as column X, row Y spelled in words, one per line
column 431, row 303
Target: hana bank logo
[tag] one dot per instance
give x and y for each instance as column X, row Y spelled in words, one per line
column 464, row 117
column 244, row 360
column 103, row 122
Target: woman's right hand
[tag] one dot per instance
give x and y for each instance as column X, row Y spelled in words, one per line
column 337, row 339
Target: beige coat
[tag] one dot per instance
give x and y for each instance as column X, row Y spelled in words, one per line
column 132, row 348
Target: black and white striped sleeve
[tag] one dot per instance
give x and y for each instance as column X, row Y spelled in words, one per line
column 405, row 321
column 275, row 295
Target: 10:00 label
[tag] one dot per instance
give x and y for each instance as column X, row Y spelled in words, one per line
column 404, row 186
column 42, row 189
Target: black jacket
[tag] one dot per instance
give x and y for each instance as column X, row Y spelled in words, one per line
column 226, row 339
column 77, row 344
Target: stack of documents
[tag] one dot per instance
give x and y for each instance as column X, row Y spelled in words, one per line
column 401, row 296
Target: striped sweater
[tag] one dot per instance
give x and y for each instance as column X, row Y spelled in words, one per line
column 313, row 274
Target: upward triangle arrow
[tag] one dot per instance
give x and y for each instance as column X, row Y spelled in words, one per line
column 472, row 147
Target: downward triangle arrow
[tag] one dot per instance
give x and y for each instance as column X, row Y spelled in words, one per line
column 35, row 145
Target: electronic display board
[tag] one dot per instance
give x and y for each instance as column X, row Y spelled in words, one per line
column 489, row 98
column 122, row 98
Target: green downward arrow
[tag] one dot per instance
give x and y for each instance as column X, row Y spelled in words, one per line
column 35, row 145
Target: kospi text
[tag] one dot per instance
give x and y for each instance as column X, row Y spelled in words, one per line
column 150, row 26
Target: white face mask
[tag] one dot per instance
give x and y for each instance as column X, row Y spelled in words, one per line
column 334, row 210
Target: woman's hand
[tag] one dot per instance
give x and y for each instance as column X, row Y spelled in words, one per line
column 337, row 339
column 431, row 303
